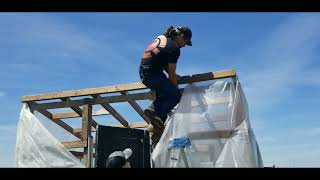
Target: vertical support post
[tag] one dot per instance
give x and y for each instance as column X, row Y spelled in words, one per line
column 90, row 152
column 86, row 134
column 184, row 157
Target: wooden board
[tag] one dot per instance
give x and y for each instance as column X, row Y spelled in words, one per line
column 66, row 115
column 86, row 134
column 207, row 76
column 74, row 144
column 112, row 111
column 78, row 110
column 59, row 122
column 85, row 92
column 137, row 108
column 93, row 101
column 133, row 125
column 79, row 155
column 126, row 87
column 86, row 122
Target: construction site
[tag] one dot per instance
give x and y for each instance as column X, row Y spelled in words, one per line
column 210, row 127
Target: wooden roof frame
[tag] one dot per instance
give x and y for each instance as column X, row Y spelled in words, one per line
column 93, row 96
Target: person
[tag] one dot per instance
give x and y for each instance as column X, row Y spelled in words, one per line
column 163, row 54
column 119, row 159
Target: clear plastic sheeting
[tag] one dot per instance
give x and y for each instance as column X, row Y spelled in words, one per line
column 37, row 147
column 209, row 128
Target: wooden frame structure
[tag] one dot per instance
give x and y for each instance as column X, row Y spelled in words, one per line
column 82, row 107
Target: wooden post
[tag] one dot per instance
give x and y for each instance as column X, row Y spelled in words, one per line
column 86, row 134
column 79, row 111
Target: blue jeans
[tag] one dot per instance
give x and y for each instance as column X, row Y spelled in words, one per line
column 167, row 94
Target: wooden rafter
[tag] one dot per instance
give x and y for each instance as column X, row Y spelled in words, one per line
column 112, row 111
column 134, row 125
column 75, row 144
column 93, row 101
column 85, row 92
column 57, row 121
column 65, row 115
column 137, row 108
column 131, row 125
column 126, row 87
column 78, row 110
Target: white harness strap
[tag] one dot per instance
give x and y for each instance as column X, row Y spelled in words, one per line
column 163, row 41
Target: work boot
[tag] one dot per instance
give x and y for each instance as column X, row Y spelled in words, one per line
column 150, row 128
column 154, row 120
column 151, row 107
column 156, row 135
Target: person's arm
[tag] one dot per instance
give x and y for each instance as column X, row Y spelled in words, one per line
column 172, row 73
column 172, row 65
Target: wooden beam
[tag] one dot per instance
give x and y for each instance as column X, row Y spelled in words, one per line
column 79, row 130
column 85, row 92
column 137, row 108
column 79, row 154
column 138, row 125
column 93, row 101
column 59, row 122
column 86, row 121
column 65, row 115
column 207, row 76
column 86, row 133
column 133, row 125
column 79, row 111
column 112, row 111
column 74, row 144
column 126, row 87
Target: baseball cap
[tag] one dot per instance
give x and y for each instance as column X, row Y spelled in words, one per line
column 125, row 153
column 188, row 33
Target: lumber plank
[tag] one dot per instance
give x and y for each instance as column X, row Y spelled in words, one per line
column 93, row 101
column 127, row 87
column 66, row 115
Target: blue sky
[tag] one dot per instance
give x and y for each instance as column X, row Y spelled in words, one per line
column 276, row 56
